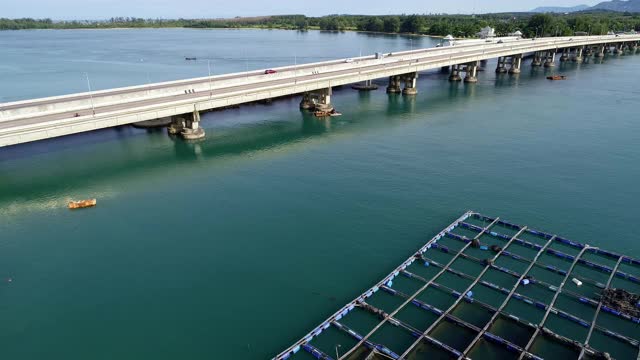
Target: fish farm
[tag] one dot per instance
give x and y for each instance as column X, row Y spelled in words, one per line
column 485, row 288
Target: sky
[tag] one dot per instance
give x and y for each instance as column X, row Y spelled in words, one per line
column 104, row 9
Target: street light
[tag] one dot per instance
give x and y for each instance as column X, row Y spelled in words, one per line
column 93, row 109
column 148, row 77
column 209, row 69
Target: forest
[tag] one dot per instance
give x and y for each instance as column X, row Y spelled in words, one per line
column 531, row 25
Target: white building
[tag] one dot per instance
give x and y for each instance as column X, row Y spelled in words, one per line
column 517, row 33
column 487, row 32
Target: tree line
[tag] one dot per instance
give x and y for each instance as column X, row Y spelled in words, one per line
column 595, row 23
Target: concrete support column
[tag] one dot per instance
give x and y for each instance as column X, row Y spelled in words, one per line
column 323, row 102
column 516, row 62
column 565, row 54
column 588, row 51
column 537, row 61
column 607, row 49
column 394, row 85
column 306, row 103
column 618, row 49
column 177, row 124
column 550, row 59
column 578, row 55
column 500, row 68
column 410, row 81
column 192, row 129
column 455, row 73
column 317, row 100
column 600, row 51
column 368, row 85
column 472, row 72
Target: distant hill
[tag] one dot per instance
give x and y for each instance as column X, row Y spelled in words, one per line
column 560, row 9
column 618, row 5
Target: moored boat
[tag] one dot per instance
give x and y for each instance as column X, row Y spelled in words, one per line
column 557, row 77
column 82, row 204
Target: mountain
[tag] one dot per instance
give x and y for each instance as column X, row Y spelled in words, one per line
column 619, row 5
column 560, row 9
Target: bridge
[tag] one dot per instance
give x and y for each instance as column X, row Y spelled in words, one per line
column 180, row 103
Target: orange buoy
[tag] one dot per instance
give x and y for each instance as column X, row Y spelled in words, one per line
column 82, row 204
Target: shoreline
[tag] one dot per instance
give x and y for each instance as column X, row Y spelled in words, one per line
column 232, row 28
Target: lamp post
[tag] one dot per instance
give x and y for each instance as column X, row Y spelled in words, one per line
column 93, row 109
column 209, row 69
column 148, row 77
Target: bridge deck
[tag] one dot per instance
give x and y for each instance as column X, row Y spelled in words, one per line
column 31, row 120
column 487, row 288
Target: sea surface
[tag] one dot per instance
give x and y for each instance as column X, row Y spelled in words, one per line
column 234, row 247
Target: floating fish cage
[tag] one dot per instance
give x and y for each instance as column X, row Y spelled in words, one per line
column 484, row 288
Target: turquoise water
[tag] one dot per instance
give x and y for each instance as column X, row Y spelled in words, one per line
column 236, row 246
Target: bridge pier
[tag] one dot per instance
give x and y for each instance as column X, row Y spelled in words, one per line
column 577, row 57
column 500, row 68
column 472, row 72
column 455, row 73
column 607, row 49
column 537, row 59
column 565, row 54
column 394, row 85
column 550, row 59
column 187, row 125
column 368, row 85
column 588, row 51
column 600, row 51
column 410, row 84
column 317, row 100
column 618, row 49
column 516, row 62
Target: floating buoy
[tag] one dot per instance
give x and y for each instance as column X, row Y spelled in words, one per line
column 525, row 281
column 577, row 282
column 426, row 264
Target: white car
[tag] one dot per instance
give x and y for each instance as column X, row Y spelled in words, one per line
column 349, row 60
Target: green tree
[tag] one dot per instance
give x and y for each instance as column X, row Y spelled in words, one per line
column 391, row 24
column 412, row 24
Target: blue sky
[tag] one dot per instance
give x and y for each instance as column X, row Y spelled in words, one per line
column 101, row 9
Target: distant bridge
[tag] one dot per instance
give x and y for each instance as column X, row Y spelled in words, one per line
column 181, row 102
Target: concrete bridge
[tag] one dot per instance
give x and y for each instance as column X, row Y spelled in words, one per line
column 180, row 102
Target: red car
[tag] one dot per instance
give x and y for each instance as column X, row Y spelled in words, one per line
column 270, row 71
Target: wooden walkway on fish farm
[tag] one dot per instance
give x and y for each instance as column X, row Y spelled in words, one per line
column 486, row 288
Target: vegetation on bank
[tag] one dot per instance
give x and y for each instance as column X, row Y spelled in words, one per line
column 595, row 23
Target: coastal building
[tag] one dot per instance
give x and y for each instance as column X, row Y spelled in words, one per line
column 486, row 32
column 450, row 40
column 517, row 33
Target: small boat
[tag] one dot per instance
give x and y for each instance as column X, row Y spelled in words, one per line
column 322, row 113
column 557, row 77
column 335, row 113
column 82, row 204
column 190, row 58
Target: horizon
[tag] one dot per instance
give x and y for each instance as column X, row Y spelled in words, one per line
column 97, row 10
